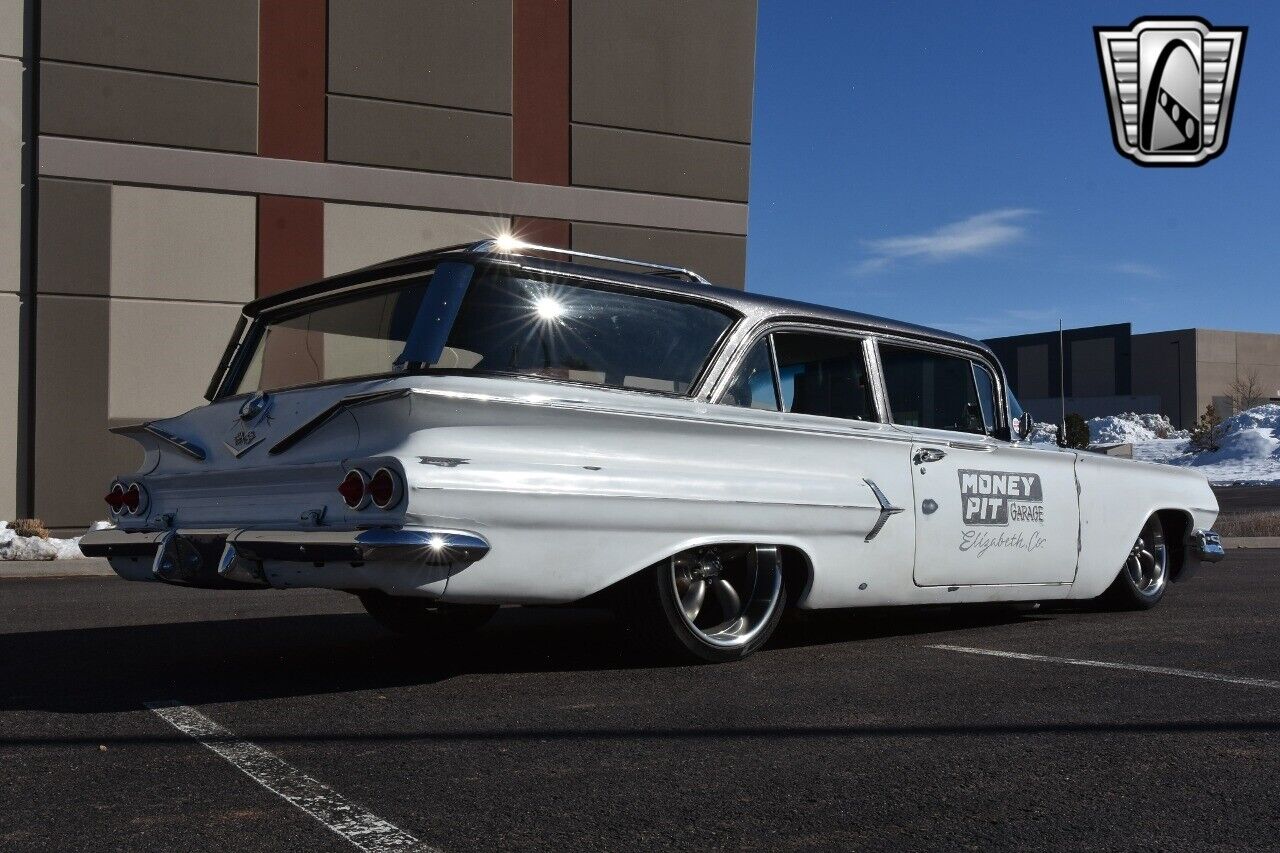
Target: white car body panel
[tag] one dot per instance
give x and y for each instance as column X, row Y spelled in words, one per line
column 576, row 487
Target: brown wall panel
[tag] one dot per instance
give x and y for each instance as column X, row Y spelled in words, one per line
column 652, row 162
column 540, row 96
column 131, row 106
column 204, row 39
column 408, row 136
column 675, row 66
column 290, row 242
column 720, row 258
column 450, row 53
column 543, row 232
column 291, row 94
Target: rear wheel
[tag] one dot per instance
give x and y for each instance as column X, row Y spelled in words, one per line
column 424, row 618
column 1145, row 575
column 715, row 604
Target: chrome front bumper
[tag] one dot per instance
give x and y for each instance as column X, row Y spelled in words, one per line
column 1207, row 545
column 233, row 558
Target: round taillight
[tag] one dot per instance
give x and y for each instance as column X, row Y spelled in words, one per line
column 135, row 499
column 354, row 489
column 115, row 497
column 384, row 488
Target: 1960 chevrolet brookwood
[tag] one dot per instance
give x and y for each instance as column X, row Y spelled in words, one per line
column 484, row 425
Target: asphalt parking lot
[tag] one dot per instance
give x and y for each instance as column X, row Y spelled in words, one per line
column 853, row 731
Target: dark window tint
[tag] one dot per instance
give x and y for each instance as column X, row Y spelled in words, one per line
column 824, row 375
column 462, row 319
column 752, row 386
column 931, row 390
column 986, row 396
column 563, row 331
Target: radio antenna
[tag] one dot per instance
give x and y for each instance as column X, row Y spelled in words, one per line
column 1062, row 386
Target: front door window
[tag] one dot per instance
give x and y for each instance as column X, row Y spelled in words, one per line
column 932, row 390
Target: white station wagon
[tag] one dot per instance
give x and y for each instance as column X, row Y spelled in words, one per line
column 484, row 425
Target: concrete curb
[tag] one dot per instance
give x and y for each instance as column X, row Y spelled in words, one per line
column 1230, row 542
column 82, row 568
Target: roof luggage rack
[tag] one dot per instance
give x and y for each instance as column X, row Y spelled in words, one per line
column 512, row 246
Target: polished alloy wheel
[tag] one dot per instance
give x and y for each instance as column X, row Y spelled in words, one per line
column 1148, row 563
column 727, row 596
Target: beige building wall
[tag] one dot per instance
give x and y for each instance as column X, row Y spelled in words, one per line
column 139, row 288
column 12, row 70
column 1223, row 357
column 10, row 359
column 358, row 235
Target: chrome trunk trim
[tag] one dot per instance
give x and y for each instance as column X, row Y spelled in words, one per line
column 433, row 547
column 114, row 542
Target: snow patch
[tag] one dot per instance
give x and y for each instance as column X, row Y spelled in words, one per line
column 1248, row 452
column 1130, row 428
column 15, row 547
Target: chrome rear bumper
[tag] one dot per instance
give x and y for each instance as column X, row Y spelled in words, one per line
column 1207, row 546
column 233, row 557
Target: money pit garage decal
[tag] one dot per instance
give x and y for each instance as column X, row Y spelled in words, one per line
column 996, row 498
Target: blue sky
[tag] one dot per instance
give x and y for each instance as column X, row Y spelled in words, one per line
column 952, row 165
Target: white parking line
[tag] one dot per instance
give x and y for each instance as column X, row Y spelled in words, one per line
column 1132, row 667
column 362, row 828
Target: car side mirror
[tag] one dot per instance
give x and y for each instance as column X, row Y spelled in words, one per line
column 1022, row 427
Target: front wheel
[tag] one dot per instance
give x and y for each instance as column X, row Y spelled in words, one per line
column 1145, row 575
column 715, row 604
column 424, row 618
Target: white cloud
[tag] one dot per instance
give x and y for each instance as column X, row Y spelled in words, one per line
column 973, row 236
column 998, row 324
column 1135, row 268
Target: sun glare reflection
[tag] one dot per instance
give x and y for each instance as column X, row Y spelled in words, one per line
column 548, row 307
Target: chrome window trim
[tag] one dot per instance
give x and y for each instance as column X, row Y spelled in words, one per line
column 777, row 374
column 974, row 367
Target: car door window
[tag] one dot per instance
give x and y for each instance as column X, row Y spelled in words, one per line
column 931, row 389
column 824, row 374
column 752, row 386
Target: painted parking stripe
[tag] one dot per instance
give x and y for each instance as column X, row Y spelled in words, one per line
column 364, row 829
column 1132, row 667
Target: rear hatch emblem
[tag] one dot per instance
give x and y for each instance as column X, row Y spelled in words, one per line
column 251, row 426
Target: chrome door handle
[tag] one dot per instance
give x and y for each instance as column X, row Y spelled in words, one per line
column 928, row 454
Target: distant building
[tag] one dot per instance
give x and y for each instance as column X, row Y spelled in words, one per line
column 1108, row 370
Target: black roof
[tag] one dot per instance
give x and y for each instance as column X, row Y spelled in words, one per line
column 742, row 301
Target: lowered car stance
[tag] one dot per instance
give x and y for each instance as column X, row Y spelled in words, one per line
column 493, row 424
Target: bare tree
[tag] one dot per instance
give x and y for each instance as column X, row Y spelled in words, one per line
column 1246, row 391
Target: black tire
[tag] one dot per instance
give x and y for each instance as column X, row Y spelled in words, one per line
column 651, row 604
column 1144, row 576
column 424, row 618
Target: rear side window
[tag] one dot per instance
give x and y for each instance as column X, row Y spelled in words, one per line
column 930, row 389
column 824, row 375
